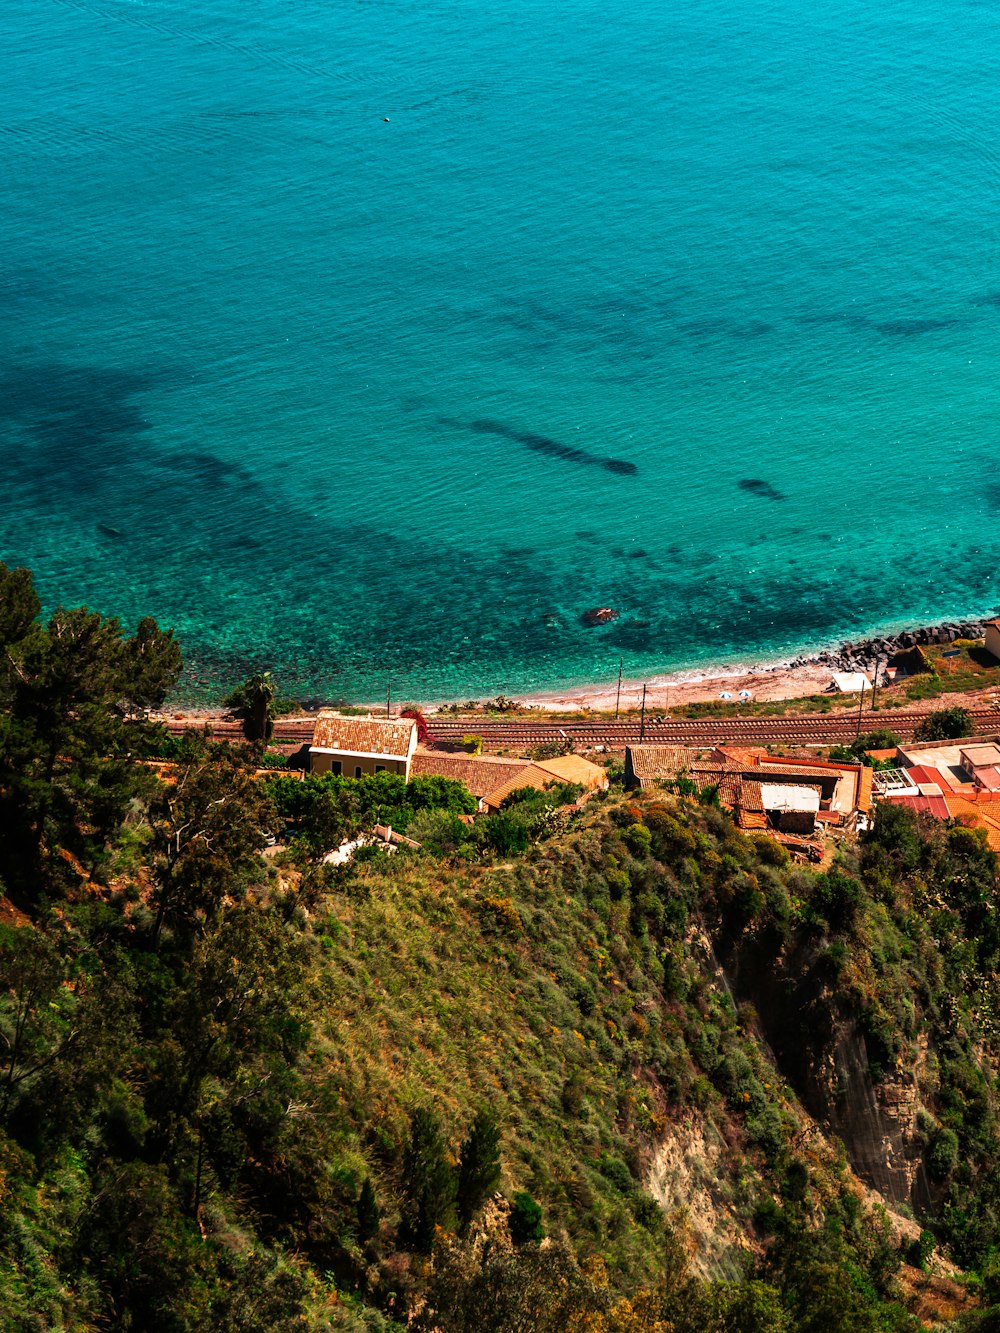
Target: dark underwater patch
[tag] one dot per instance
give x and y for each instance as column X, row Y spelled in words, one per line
column 912, row 328
column 542, row 444
column 758, row 487
column 82, row 422
column 208, row 469
column 726, row 328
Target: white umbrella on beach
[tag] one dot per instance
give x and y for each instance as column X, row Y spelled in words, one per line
column 746, row 694
column 726, row 694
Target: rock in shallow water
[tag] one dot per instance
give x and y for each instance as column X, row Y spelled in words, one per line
column 600, row 615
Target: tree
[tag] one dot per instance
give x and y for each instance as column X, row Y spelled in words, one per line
column 369, row 1213
column 66, row 776
column 35, row 1009
column 430, row 1182
column 478, row 1166
column 210, row 827
column 253, row 703
column 152, row 664
column 945, row 724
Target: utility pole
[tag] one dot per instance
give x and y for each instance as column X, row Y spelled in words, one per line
column 388, row 696
column 874, row 684
column 860, row 707
column 642, row 719
column 618, row 696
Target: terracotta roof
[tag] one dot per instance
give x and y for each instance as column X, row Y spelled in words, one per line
column 480, row 775
column 987, row 818
column 803, row 772
column 750, row 797
column 751, row 819
column 738, row 754
column 988, row 777
column 574, row 768
column 364, row 735
column 864, row 796
column 651, row 762
column 529, row 776
column 770, row 760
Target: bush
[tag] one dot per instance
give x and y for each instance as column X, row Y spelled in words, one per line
column 919, row 1251
column 942, row 1154
column 945, row 724
column 525, row 1221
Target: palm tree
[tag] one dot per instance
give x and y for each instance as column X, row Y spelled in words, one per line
column 253, row 703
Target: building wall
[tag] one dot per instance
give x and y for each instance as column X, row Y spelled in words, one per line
column 993, row 640
column 794, row 821
column 349, row 764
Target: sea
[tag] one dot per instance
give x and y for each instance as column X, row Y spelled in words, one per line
column 374, row 342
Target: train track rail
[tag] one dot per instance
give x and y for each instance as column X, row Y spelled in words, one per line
column 803, row 728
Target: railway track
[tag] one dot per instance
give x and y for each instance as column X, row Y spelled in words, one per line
column 805, row 728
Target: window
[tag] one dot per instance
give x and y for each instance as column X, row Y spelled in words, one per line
column 380, row 768
column 336, row 768
column 357, row 771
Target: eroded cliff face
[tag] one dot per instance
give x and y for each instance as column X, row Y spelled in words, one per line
column 691, row 1178
column 823, row 1055
column 877, row 1122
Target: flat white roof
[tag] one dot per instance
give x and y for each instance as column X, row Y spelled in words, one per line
column 776, row 797
column 851, row 682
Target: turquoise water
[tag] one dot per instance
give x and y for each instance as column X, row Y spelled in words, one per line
column 368, row 341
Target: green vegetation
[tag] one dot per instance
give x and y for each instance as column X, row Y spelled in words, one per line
column 945, row 724
column 857, row 751
column 517, row 1079
column 254, row 703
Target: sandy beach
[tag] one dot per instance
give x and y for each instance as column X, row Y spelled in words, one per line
column 764, row 683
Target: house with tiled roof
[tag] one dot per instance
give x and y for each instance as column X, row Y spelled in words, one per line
column 545, row 773
column 357, row 747
column 492, row 779
column 647, row 765
column 481, row 774
column 983, row 814
column 764, row 792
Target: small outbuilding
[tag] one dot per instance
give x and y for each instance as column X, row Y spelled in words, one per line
column 792, row 809
column 992, row 637
column 849, row 682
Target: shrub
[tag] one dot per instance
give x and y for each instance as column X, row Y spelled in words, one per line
column 942, row 1153
column 919, row 1250
column 525, row 1221
column 944, row 725
column 638, row 839
column 504, row 833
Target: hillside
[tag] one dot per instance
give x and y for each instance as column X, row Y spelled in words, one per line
column 621, row 1069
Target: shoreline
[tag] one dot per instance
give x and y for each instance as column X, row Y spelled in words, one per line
column 768, row 682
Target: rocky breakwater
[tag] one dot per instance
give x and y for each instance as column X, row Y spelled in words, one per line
column 870, row 653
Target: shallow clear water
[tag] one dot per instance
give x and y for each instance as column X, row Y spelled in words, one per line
column 337, row 395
